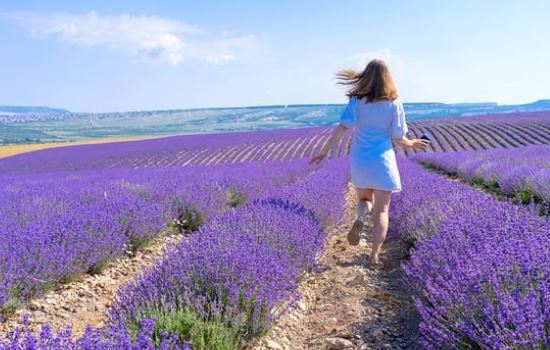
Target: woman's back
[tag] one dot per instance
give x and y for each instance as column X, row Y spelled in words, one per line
column 375, row 123
column 376, row 117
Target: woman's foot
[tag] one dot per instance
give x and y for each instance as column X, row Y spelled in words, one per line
column 354, row 234
column 376, row 266
column 374, row 262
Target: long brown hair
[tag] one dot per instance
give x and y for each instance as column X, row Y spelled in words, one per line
column 374, row 82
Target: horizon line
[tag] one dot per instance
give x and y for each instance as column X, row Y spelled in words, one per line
column 256, row 106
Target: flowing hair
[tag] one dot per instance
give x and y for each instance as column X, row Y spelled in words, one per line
column 375, row 82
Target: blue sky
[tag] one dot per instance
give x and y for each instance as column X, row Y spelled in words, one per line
column 118, row 55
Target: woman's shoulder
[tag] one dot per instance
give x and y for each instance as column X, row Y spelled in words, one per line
column 392, row 104
column 385, row 104
column 397, row 102
column 379, row 102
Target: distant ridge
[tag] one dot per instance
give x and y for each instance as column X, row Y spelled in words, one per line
column 42, row 124
column 31, row 110
column 543, row 104
column 539, row 103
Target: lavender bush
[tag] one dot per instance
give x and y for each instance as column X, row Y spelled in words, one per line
column 56, row 225
column 480, row 269
column 521, row 173
column 97, row 339
column 240, row 269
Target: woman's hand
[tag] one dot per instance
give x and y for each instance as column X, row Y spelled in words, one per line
column 318, row 158
column 419, row 144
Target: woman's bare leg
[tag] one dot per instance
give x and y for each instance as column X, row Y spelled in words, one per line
column 380, row 217
column 364, row 196
column 354, row 234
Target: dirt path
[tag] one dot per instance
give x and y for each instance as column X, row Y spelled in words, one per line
column 85, row 301
column 348, row 306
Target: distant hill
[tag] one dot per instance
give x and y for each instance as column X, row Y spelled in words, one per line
column 42, row 124
column 31, row 110
column 542, row 104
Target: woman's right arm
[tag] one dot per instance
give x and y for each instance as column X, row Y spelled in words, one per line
column 337, row 134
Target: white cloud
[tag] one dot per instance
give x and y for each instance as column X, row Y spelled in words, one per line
column 227, row 48
column 414, row 77
column 360, row 60
column 150, row 38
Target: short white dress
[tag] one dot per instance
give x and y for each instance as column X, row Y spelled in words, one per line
column 373, row 163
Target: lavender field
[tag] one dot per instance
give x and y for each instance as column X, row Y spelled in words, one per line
column 57, row 225
column 62, row 216
column 520, row 173
column 479, row 272
column 467, row 133
column 486, row 132
column 256, row 217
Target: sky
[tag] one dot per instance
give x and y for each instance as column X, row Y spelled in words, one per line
column 122, row 55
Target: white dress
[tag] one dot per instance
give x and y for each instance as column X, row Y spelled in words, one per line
column 373, row 163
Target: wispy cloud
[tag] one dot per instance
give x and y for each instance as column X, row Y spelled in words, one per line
column 413, row 75
column 149, row 38
column 363, row 58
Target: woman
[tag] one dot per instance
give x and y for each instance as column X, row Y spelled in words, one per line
column 377, row 116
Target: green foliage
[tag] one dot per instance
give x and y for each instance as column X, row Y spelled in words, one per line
column 249, row 326
column 10, row 306
column 189, row 326
column 136, row 243
column 235, row 197
column 98, row 267
column 188, row 219
column 253, row 327
column 411, row 237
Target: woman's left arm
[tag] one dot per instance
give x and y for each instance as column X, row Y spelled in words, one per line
column 336, row 136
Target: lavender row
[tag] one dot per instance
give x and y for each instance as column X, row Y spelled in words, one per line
column 480, row 269
column 225, row 284
column 239, row 270
column 23, row 338
column 55, row 226
column 542, row 116
column 487, row 132
column 170, row 151
column 521, row 173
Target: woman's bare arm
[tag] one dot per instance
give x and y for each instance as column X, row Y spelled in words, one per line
column 405, row 142
column 336, row 136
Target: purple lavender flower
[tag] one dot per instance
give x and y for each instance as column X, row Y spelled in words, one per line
column 480, row 268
